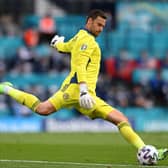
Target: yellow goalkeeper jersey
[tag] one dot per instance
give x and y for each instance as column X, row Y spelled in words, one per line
column 85, row 58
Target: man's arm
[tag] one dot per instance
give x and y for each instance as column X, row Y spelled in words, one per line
column 58, row 43
column 82, row 60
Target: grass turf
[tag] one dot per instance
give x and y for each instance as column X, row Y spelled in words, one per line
column 73, row 150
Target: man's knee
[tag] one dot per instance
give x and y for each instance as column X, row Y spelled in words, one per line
column 117, row 117
column 45, row 108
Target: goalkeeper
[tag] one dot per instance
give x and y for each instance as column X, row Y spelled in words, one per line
column 78, row 89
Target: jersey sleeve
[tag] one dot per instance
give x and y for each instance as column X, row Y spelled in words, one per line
column 83, row 58
column 65, row 46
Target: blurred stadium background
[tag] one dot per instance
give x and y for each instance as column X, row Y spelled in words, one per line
column 134, row 69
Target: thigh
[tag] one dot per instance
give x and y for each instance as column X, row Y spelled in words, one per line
column 101, row 109
column 107, row 112
column 67, row 96
column 116, row 117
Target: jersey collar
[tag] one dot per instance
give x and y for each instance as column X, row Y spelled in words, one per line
column 89, row 32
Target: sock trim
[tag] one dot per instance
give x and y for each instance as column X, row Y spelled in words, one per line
column 123, row 124
column 34, row 106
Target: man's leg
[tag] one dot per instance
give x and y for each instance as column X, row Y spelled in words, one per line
column 125, row 129
column 121, row 121
column 26, row 99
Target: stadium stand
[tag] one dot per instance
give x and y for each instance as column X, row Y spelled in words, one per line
column 54, row 66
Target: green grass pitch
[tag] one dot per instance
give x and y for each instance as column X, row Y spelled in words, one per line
column 73, row 150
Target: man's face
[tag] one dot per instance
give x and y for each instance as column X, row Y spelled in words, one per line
column 96, row 26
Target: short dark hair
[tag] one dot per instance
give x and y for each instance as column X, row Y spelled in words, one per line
column 95, row 13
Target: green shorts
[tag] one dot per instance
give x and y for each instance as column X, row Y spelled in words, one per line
column 68, row 97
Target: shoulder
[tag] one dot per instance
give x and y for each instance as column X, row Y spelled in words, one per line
column 86, row 37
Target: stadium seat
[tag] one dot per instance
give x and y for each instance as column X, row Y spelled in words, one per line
column 51, row 79
column 76, row 23
column 30, row 21
column 123, row 26
column 143, row 75
column 116, row 41
column 22, row 80
column 164, row 74
column 4, row 110
column 102, row 41
column 15, row 42
column 43, row 50
column 9, row 46
column 158, row 43
column 64, row 114
column 138, row 40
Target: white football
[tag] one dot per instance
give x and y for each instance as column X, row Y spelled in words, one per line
column 147, row 155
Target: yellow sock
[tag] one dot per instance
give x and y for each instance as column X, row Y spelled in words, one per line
column 128, row 133
column 24, row 98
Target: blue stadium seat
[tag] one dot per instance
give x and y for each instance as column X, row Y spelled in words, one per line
column 22, row 80
column 143, row 75
column 137, row 40
column 164, row 74
column 158, row 43
column 2, row 51
column 64, row 114
column 4, row 110
column 43, row 50
column 116, row 41
column 102, row 41
column 11, row 45
column 44, row 79
column 30, row 21
column 152, row 112
column 67, row 31
column 68, row 25
column 123, row 26
column 51, row 79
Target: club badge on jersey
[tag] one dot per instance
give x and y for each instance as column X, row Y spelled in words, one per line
column 84, row 47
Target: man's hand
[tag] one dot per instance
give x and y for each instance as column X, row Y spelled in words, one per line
column 86, row 101
column 56, row 39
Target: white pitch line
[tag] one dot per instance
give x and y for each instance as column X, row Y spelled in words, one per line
column 76, row 163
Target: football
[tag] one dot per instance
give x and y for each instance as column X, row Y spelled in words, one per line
column 147, row 155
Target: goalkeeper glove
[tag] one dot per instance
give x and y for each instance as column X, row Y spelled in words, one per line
column 56, row 39
column 86, row 101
